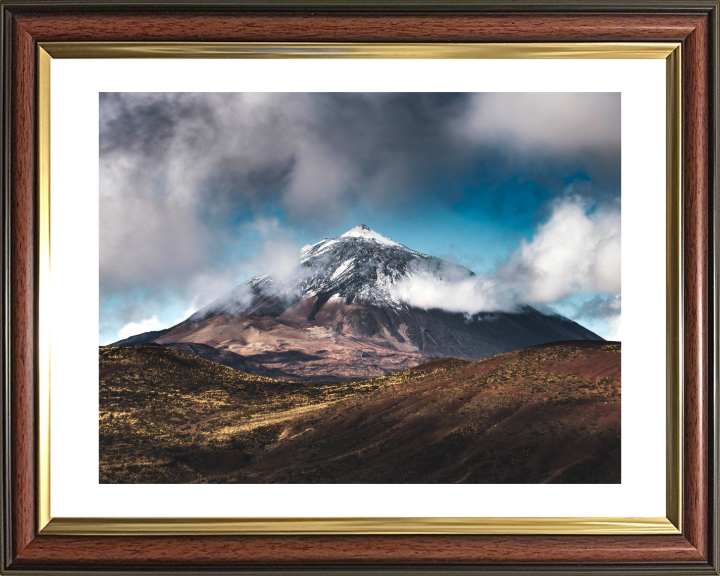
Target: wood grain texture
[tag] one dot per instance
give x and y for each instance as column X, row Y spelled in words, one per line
column 695, row 238
column 359, row 28
column 23, row 249
column 263, row 550
column 687, row 552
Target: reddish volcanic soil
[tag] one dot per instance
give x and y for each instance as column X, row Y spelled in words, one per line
column 547, row 413
column 285, row 348
column 323, row 340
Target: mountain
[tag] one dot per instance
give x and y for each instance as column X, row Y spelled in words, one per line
column 337, row 315
column 360, row 267
column 545, row 414
column 144, row 338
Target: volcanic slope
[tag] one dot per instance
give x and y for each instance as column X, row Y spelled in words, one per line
column 548, row 413
column 339, row 316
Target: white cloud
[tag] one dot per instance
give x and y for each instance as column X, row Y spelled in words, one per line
column 188, row 312
column 133, row 328
column 174, row 166
column 278, row 254
column 176, row 169
column 470, row 294
column 577, row 251
column 548, row 121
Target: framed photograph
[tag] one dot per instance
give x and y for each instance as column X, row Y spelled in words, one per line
column 354, row 274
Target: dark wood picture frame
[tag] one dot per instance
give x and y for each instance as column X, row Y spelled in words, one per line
column 693, row 23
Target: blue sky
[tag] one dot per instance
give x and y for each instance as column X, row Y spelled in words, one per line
column 199, row 192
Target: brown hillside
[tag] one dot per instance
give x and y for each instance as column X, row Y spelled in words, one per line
column 548, row 413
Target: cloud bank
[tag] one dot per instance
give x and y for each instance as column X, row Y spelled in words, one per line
column 191, row 183
column 577, row 251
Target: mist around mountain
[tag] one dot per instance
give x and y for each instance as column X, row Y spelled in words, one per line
column 340, row 313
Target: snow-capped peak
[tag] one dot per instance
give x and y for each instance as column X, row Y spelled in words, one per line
column 360, row 267
column 366, row 233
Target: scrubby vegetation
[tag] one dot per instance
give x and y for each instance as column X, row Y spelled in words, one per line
column 542, row 414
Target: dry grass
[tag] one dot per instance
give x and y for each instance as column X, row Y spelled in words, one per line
column 533, row 415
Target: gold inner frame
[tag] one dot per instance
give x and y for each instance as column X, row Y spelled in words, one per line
column 671, row 524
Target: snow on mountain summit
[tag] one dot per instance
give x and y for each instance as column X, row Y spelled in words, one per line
column 361, row 232
column 360, row 266
column 367, row 233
